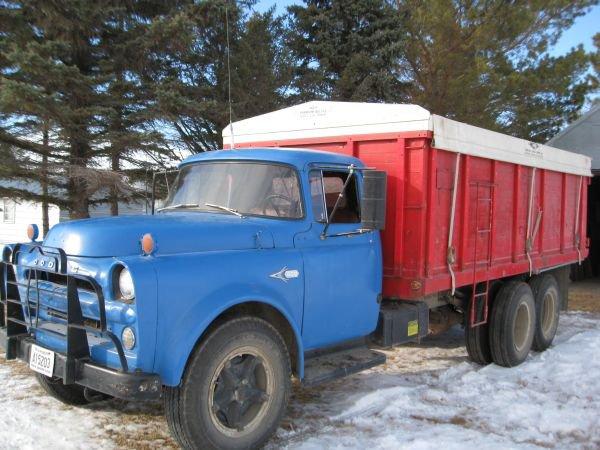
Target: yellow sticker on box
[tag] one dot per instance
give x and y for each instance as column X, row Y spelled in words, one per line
column 413, row 327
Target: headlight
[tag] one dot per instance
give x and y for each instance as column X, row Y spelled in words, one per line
column 126, row 290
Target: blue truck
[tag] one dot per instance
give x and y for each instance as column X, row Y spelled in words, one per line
column 262, row 264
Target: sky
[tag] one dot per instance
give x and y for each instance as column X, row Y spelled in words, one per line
column 581, row 32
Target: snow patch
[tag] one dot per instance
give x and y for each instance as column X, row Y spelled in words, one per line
column 427, row 396
column 552, row 400
column 32, row 420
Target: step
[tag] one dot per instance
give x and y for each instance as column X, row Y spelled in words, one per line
column 330, row 366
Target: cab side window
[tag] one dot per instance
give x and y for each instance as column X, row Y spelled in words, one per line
column 325, row 188
column 316, row 196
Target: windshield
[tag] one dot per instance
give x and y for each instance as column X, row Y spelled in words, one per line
column 245, row 188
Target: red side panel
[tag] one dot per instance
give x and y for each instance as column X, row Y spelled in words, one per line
column 491, row 222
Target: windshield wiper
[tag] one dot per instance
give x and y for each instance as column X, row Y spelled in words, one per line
column 225, row 208
column 178, row 206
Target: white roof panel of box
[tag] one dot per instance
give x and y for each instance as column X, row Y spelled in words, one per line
column 321, row 119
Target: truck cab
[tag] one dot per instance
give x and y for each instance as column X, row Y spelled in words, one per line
column 257, row 260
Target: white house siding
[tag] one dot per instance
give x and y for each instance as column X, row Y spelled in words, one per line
column 26, row 212
column 125, row 209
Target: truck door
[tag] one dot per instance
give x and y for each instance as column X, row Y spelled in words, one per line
column 342, row 272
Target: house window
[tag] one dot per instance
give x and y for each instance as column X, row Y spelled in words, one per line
column 8, row 210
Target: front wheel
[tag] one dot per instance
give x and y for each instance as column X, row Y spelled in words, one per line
column 70, row 394
column 235, row 389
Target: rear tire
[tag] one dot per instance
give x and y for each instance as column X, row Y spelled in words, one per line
column 235, row 389
column 512, row 324
column 477, row 341
column 547, row 308
column 70, row 394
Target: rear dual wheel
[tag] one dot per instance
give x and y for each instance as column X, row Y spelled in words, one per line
column 478, row 338
column 477, row 341
column 523, row 317
column 512, row 324
column 547, row 307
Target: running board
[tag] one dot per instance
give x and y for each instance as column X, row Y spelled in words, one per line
column 331, row 366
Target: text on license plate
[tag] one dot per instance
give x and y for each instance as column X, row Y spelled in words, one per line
column 41, row 360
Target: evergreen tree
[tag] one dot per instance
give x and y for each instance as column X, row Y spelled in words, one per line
column 125, row 86
column 481, row 62
column 347, row 50
column 189, row 65
column 487, row 63
column 71, row 99
column 129, row 141
column 49, row 78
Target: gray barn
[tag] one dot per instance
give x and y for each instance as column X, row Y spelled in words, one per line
column 583, row 136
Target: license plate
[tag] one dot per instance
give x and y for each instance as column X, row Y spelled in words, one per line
column 41, row 360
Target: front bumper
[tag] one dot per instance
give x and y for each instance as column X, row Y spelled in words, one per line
column 124, row 385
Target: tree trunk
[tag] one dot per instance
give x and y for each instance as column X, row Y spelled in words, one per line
column 117, row 131
column 78, row 199
column 77, row 184
column 44, row 181
column 114, row 194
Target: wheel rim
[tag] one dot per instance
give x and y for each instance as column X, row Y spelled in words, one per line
column 548, row 312
column 241, row 392
column 522, row 326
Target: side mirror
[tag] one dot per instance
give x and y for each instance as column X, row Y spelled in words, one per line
column 373, row 200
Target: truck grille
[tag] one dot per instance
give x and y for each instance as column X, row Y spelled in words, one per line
column 21, row 306
column 57, row 279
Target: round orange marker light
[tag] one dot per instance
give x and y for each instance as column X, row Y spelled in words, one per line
column 147, row 243
column 33, row 231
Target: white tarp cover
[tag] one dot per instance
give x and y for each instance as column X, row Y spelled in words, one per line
column 321, row 119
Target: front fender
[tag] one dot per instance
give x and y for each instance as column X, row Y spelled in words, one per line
column 173, row 364
column 194, row 291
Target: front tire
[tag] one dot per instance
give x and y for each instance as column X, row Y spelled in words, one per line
column 512, row 324
column 547, row 308
column 235, row 388
column 70, row 394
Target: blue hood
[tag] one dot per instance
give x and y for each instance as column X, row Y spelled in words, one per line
column 173, row 232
